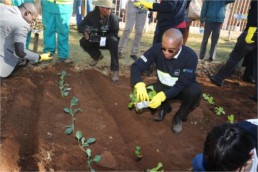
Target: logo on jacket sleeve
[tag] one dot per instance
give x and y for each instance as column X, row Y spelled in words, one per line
column 144, row 58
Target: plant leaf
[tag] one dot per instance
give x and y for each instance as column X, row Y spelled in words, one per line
column 74, row 101
column 76, row 110
column 78, row 134
column 85, row 144
column 91, row 140
column 150, row 88
column 88, row 152
column 97, row 158
column 130, row 105
column 65, row 93
column 69, row 130
column 67, row 110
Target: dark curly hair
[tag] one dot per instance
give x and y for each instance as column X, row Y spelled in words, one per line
column 227, row 148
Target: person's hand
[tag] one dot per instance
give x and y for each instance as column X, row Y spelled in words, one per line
column 45, row 57
column 141, row 92
column 143, row 4
column 156, row 100
column 250, row 34
column 202, row 24
column 86, row 35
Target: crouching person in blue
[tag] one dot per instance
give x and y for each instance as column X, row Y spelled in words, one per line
column 176, row 66
column 100, row 30
column 229, row 147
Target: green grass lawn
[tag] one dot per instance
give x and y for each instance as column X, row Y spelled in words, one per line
column 81, row 58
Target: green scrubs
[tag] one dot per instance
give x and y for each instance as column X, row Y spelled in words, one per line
column 56, row 20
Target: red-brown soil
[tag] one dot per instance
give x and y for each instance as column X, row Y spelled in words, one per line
column 33, row 122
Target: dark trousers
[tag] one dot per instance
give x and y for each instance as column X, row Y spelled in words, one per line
column 190, row 98
column 214, row 29
column 240, row 50
column 94, row 50
column 250, row 64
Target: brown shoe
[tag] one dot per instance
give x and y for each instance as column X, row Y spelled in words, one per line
column 115, row 76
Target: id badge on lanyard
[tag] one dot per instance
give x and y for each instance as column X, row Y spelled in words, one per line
column 102, row 42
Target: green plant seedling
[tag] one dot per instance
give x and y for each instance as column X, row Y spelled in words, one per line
column 62, row 85
column 157, row 168
column 132, row 104
column 231, row 118
column 72, row 112
column 96, row 159
column 219, row 111
column 208, row 98
column 138, row 153
column 82, row 141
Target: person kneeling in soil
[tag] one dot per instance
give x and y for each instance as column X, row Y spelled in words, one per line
column 14, row 26
column 229, row 147
column 176, row 66
column 100, row 30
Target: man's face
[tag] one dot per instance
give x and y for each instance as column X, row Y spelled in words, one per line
column 105, row 11
column 30, row 16
column 170, row 47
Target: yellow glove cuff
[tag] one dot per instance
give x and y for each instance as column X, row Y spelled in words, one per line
column 139, row 84
column 162, row 96
column 251, row 30
column 148, row 5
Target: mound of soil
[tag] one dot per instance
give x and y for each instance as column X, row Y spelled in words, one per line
column 33, row 122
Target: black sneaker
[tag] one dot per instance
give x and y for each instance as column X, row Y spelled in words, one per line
column 215, row 81
column 209, row 60
column 134, row 57
column 176, row 124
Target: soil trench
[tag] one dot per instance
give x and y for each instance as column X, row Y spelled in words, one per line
column 33, row 122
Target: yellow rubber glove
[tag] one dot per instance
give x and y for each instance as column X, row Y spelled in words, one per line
column 250, row 34
column 144, row 4
column 141, row 92
column 156, row 100
column 45, row 57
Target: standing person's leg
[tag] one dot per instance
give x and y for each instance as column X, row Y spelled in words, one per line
column 112, row 45
column 139, row 25
column 240, row 50
column 28, row 40
column 206, row 35
column 89, row 6
column 129, row 24
column 49, row 34
column 250, row 63
column 78, row 10
column 62, row 28
column 187, row 30
column 214, row 39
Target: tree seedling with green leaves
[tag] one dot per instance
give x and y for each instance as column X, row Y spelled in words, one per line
column 96, row 159
column 157, row 168
column 83, row 143
column 208, row 98
column 138, row 153
column 231, row 118
column 219, row 111
column 72, row 112
column 134, row 102
column 62, row 85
